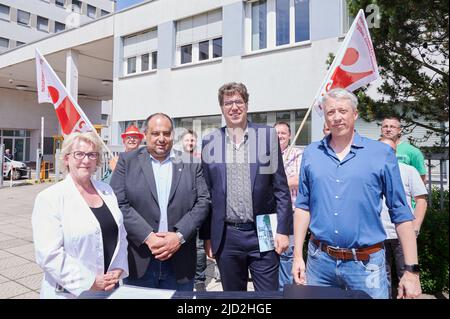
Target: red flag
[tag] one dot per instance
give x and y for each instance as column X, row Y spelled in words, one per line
column 355, row 63
column 51, row 90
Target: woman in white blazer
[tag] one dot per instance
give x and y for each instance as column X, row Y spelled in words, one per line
column 78, row 232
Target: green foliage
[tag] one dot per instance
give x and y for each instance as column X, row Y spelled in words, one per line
column 433, row 246
column 411, row 45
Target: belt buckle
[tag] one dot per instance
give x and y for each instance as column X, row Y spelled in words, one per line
column 330, row 250
column 335, row 252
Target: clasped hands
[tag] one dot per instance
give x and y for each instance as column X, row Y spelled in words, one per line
column 163, row 244
column 106, row 282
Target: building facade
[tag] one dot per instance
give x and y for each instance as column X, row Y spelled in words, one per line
column 24, row 21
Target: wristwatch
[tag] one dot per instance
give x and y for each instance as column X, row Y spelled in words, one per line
column 412, row 268
column 180, row 237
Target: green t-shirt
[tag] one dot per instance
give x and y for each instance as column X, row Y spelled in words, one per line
column 410, row 155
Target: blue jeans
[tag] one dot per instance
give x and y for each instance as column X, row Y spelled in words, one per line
column 160, row 274
column 368, row 276
column 285, row 276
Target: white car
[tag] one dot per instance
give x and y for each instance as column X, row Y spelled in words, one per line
column 20, row 169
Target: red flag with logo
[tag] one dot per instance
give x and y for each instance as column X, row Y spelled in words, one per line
column 51, row 90
column 355, row 63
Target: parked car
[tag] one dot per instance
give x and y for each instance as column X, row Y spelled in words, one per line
column 20, row 169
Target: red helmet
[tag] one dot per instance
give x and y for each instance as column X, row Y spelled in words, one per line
column 132, row 130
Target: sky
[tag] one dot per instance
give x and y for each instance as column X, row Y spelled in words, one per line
column 126, row 3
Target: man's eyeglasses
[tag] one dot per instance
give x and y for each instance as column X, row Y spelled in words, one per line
column 132, row 137
column 79, row 155
column 239, row 103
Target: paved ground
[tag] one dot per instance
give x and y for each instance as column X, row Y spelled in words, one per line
column 20, row 276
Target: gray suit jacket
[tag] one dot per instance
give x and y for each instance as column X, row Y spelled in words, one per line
column 133, row 182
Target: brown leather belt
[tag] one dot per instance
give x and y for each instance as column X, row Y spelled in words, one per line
column 362, row 254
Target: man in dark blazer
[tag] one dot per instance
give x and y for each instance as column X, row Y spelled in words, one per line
column 243, row 168
column 164, row 199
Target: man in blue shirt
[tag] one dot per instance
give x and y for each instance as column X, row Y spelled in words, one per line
column 342, row 180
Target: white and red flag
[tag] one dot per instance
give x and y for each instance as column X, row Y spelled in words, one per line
column 51, row 90
column 355, row 63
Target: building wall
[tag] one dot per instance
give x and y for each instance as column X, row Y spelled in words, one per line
column 13, row 31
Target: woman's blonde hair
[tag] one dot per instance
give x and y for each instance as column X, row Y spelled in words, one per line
column 88, row 137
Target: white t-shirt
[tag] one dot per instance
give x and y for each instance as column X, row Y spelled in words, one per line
column 414, row 186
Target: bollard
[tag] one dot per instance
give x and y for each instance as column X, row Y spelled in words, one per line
column 57, row 173
column 38, row 165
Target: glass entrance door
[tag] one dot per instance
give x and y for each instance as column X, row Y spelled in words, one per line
column 19, row 149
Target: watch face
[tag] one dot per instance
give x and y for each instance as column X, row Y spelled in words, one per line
column 412, row 268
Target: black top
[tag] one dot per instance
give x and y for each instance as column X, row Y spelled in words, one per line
column 109, row 232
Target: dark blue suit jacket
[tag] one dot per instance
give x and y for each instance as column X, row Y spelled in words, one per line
column 270, row 191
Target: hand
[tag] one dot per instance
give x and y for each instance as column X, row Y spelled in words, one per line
column 171, row 244
column 281, row 243
column 113, row 162
column 111, row 278
column 293, row 182
column 154, row 242
column 299, row 271
column 208, row 248
column 106, row 282
column 409, row 286
column 99, row 283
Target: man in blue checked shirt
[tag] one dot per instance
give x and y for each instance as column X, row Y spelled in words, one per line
column 342, row 181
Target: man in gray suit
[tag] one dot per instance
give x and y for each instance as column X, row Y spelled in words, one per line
column 164, row 199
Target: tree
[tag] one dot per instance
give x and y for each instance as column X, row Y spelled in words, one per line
column 411, row 45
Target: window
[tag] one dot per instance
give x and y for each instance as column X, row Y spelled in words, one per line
column 203, row 50
column 103, row 13
column 23, row 17
column 272, row 23
column 305, row 135
column 42, row 24
column 131, row 65
column 301, row 20
column 199, row 38
column 19, row 43
column 259, row 118
column 59, row 3
column 91, row 11
column 259, row 25
column 76, row 6
column 154, row 60
column 282, row 18
column 141, row 51
column 59, row 26
column 145, row 59
column 4, row 12
column 4, row 43
column 186, row 54
column 217, row 48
